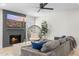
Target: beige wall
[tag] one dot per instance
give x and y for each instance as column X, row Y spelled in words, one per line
column 62, row 23
column 1, row 28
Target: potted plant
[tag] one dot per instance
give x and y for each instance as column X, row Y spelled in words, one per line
column 44, row 30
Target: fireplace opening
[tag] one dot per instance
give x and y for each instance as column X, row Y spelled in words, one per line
column 15, row 39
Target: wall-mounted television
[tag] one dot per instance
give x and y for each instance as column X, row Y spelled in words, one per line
column 15, row 17
column 15, row 21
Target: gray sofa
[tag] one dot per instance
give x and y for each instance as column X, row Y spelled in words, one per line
column 61, row 50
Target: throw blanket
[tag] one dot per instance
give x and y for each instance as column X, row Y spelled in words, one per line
column 73, row 43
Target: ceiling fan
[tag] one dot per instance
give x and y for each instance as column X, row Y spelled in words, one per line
column 42, row 6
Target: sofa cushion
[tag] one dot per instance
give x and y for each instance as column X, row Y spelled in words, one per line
column 50, row 45
column 56, row 38
column 62, row 40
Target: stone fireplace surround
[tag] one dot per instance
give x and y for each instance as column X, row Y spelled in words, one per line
column 12, row 31
column 6, row 41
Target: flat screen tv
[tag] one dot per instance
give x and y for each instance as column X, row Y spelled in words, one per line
column 15, row 21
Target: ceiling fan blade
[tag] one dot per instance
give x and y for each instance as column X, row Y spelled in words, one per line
column 48, row 8
column 45, row 4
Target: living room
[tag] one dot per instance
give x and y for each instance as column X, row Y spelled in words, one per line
column 61, row 19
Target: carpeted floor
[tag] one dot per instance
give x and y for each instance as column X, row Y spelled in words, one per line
column 14, row 50
column 75, row 52
column 10, row 51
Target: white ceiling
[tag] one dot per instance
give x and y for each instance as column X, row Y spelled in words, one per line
column 32, row 8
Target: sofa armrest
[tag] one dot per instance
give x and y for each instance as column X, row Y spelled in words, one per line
column 63, row 49
column 29, row 51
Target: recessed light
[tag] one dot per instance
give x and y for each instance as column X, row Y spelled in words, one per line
column 2, row 4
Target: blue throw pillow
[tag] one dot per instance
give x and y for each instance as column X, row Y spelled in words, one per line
column 37, row 45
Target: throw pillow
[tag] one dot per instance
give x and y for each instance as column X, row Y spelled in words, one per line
column 50, row 45
column 37, row 44
column 62, row 40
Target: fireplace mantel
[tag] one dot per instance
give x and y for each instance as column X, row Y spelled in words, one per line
column 15, row 28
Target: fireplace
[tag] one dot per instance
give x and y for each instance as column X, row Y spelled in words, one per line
column 15, row 39
column 14, row 28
